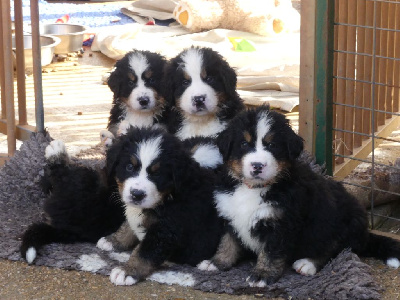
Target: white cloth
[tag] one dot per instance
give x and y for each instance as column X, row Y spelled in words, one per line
column 269, row 74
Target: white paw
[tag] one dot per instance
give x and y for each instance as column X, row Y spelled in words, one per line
column 55, row 148
column 207, row 265
column 259, row 284
column 105, row 245
column 304, row 266
column 265, row 212
column 31, row 255
column 123, row 127
column 118, row 277
column 106, row 138
column 393, row 262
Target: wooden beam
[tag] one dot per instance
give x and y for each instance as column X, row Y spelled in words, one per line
column 3, row 158
column 307, row 78
column 344, row 169
column 22, row 132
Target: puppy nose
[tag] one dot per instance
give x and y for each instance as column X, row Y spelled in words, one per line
column 137, row 195
column 199, row 100
column 144, row 100
column 257, row 167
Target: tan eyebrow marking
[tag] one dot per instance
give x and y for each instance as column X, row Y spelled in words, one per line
column 203, row 73
column 268, row 138
column 134, row 160
column 247, row 136
column 186, row 76
column 131, row 76
column 155, row 167
column 148, row 74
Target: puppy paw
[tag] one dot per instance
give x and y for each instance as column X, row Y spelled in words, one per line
column 304, row 266
column 393, row 262
column 55, row 148
column 118, row 277
column 30, row 255
column 255, row 281
column 104, row 244
column 106, row 138
column 207, row 265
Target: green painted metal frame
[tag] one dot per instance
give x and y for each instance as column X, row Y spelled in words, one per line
column 324, row 37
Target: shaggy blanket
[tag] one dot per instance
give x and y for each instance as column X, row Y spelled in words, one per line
column 345, row 277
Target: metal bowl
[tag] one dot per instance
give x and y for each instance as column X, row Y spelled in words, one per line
column 71, row 36
column 47, row 45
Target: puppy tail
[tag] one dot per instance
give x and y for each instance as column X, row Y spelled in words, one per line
column 384, row 248
column 40, row 234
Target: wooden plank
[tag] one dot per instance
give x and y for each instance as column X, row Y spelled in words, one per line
column 378, row 63
column 8, row 74
column 382, row 70
column 362, row 152
column 367, row 88
column 359, row 91
column 3, row 158
column 22, row 132
column 20, row 60
column 341, row 84
column 2, row 78
column 307, row 79
column 396, row 68
column 350, row 73
column 387, row 234
column 390, row 53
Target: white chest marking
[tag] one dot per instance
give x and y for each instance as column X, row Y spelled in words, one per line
column 134, row 216
column 240, row 209
column 198, row 128
column 140, row 119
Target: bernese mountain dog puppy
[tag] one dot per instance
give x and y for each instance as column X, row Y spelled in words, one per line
column 280, row 209
column 168, row 202
column 200, row 89
column 136, row 83
column 80, row 206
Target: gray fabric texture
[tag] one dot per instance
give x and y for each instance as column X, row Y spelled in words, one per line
column 345, row 277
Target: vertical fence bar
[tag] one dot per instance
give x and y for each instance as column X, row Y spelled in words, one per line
column 350, row 73
column 383, row 12
column 19, row 45
column 335, row 81
column 377, row 51
column 396, row 67
column 8, row 74
column 323, row 77
column 2, row 74
column 367, row 88
column 37, row 66
column 359, row 89
column 341, row 72
column 390, row 53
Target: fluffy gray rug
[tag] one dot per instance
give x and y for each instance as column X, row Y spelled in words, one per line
column 345, row 277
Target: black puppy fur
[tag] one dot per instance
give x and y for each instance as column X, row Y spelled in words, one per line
column 79, row 206
column 136, row 83
column 169, row 204
column 200, row 89
column 280, row 209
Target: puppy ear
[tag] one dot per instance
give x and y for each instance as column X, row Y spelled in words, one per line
column 114, row 81
column 168, row 83
column 229, row 79
column 224, row 143
column 295, row 145
column 113, row 154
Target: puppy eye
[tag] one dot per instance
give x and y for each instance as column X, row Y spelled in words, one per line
column 129, row 168
column 131, row 82
column 271, row 145
column 245, row 145
column 151, row 80
column 185, row 82
column 209, row 79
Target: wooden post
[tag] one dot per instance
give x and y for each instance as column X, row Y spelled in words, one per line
column 8, row 74
column 20, row 59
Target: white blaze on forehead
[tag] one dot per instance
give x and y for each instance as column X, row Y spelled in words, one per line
column 193, row 63
column 263, row 127
column 148, row 151
column 138, row 63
